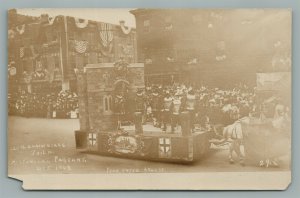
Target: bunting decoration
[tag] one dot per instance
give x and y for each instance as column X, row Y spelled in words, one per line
column 81, row 46
column 51, row 20
column 106, row 34
column 21, row 29
column 125, row 30
column 81, row 23
column 22, row 52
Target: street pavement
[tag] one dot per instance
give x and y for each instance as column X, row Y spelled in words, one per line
column 39, row 146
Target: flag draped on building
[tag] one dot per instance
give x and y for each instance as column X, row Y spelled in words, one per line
column 22, row 52
column 81, row 46
column 125, row 30
column 51, row 20
column 106, row 37
column 106, row 34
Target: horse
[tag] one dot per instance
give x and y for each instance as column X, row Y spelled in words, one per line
column 234, row 134
column 257, row 140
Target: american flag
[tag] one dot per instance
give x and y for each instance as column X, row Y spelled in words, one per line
column 106, row 34
column 21, row 52
column 81, row 46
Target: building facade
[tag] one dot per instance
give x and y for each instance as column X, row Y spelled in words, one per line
column 46, row 52
column 213, row 47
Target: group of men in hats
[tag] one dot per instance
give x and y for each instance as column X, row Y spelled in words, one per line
column 206, row 107
column 163, row 108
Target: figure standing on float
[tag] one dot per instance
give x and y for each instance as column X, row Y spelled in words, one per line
column 176, row 109
column 140, row 103
column 119, row 108
column 190, row 106
column 155, row 104
column 166, row 111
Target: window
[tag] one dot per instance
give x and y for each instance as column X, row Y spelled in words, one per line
column 107, row 104
column 146, row 26
column 146, row 23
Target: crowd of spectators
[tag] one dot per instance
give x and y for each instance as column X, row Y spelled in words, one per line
column 213, row 105
column 44, row 105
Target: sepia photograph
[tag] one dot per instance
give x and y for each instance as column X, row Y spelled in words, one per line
column 149, row 99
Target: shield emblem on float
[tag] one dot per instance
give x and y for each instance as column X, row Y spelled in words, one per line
column 125, row 144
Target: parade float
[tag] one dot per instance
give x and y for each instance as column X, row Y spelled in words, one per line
column 106, row 94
